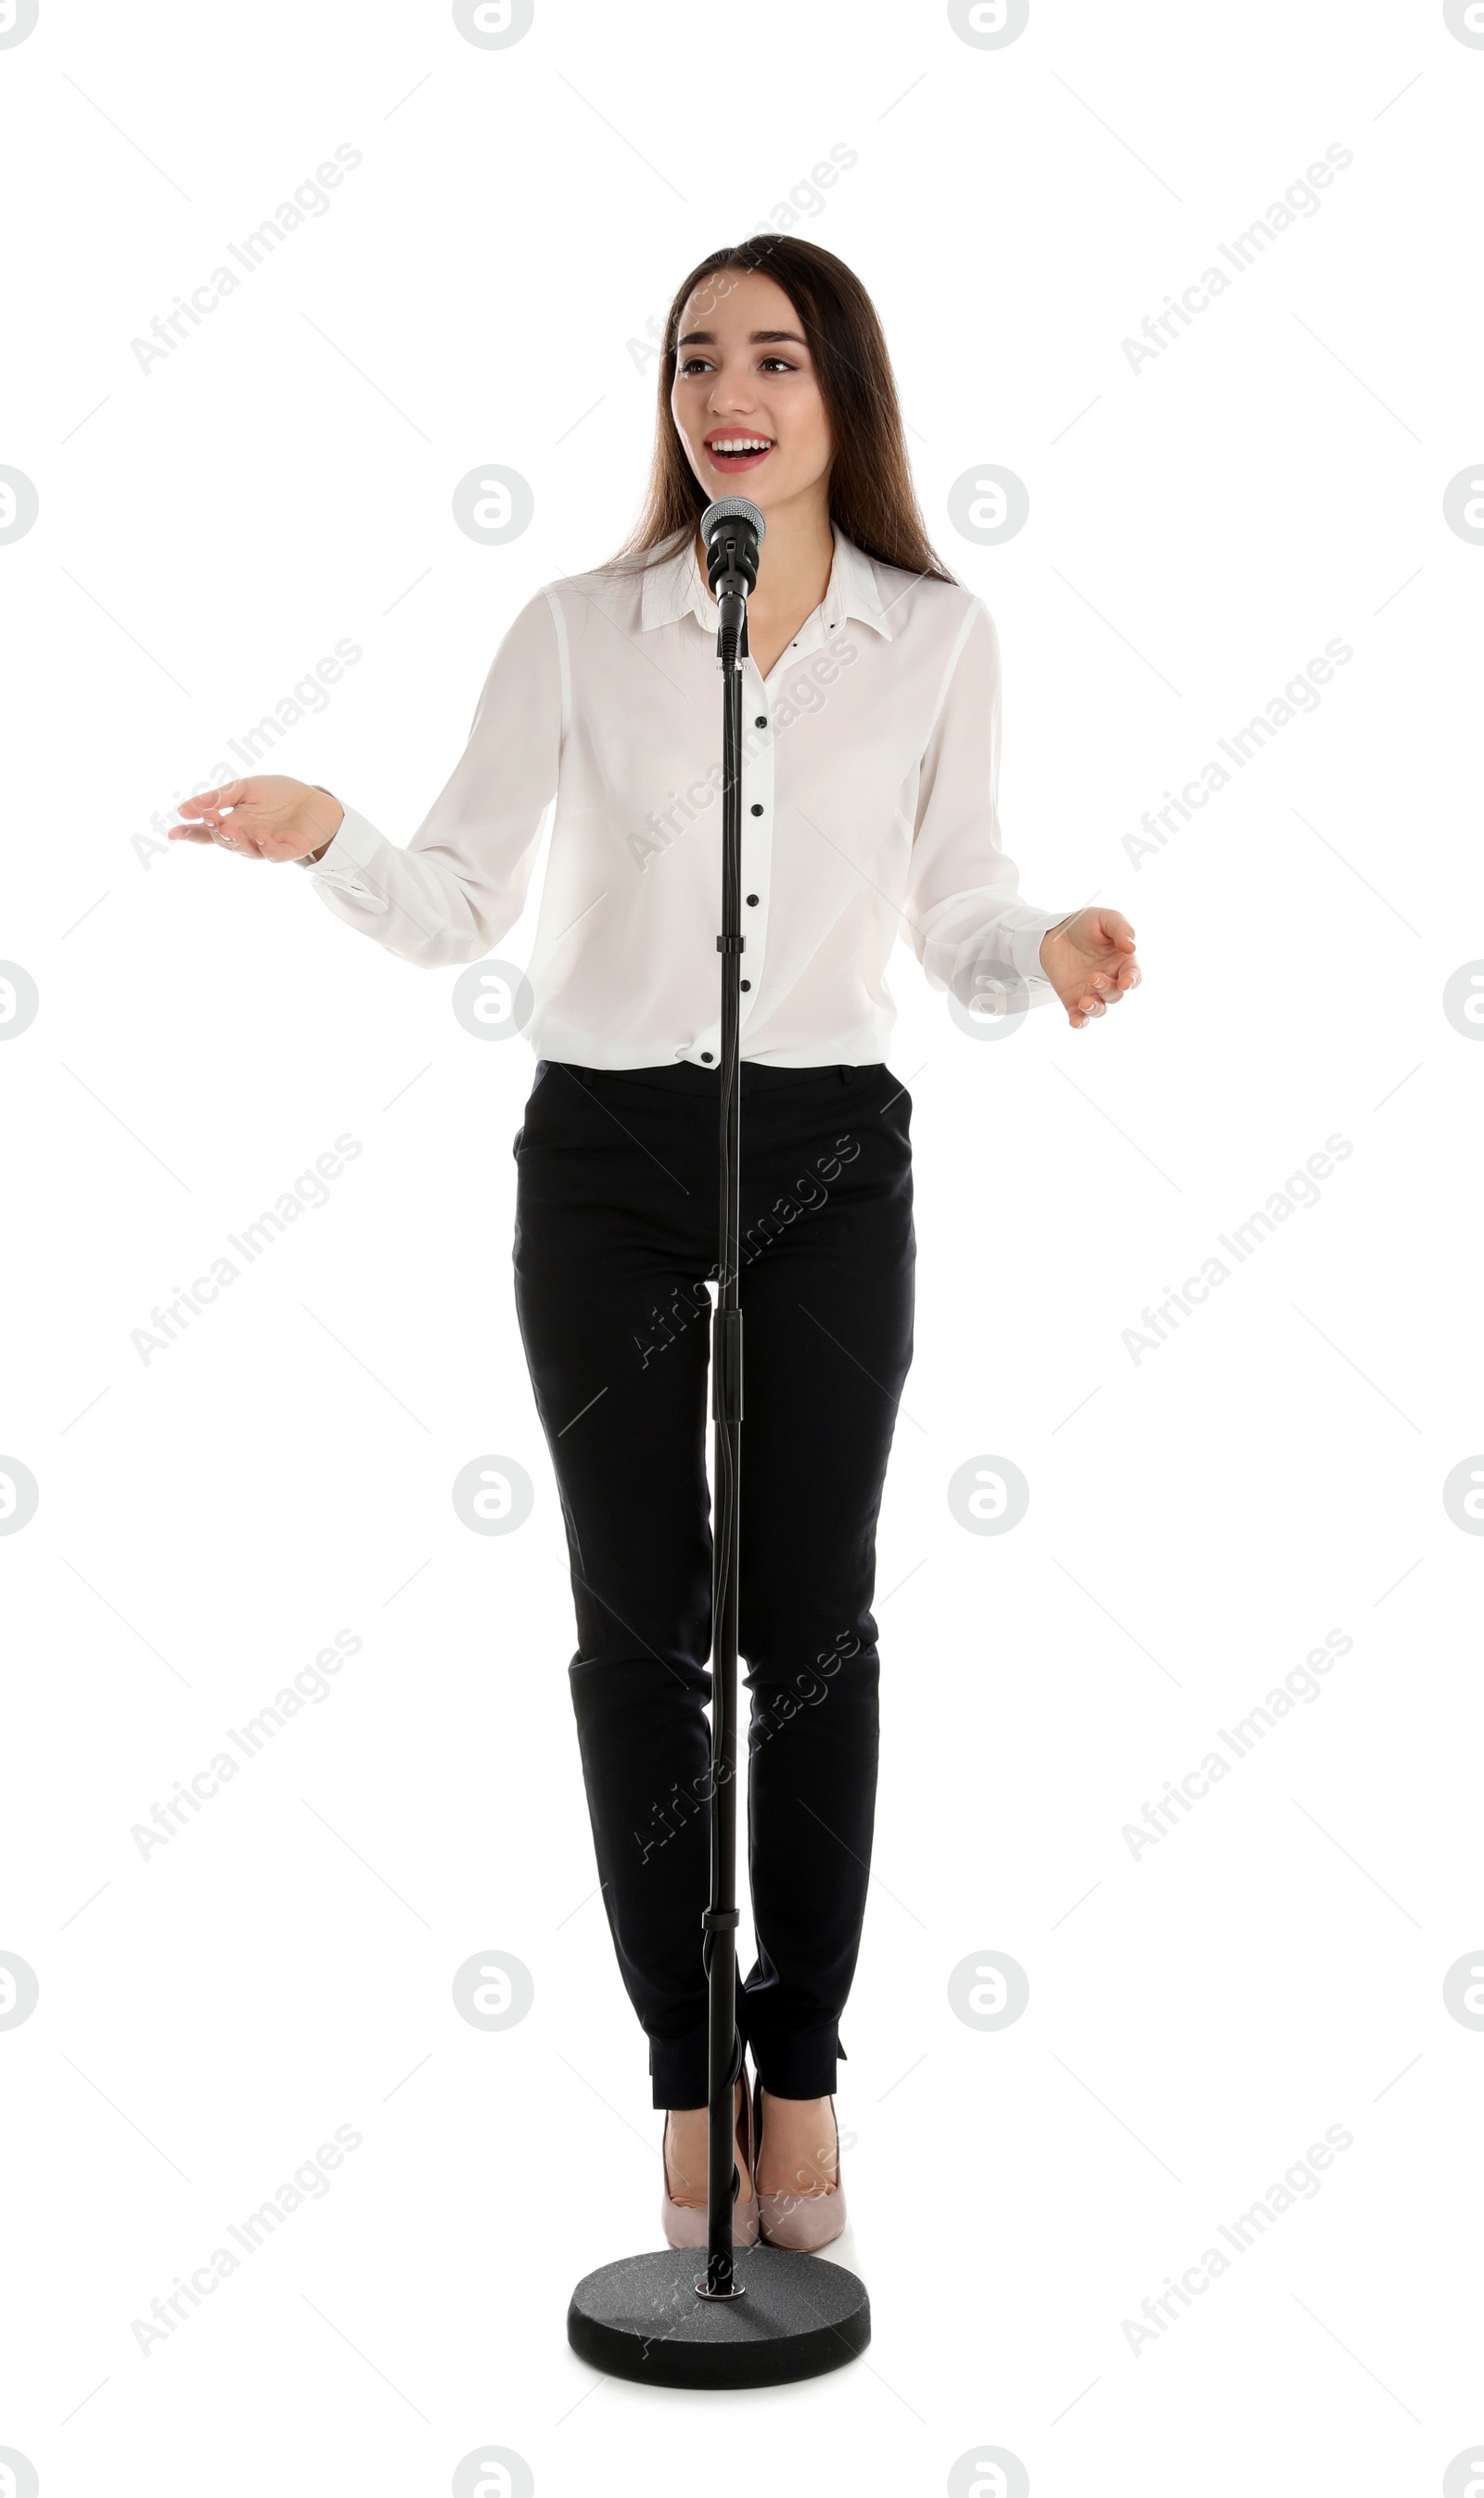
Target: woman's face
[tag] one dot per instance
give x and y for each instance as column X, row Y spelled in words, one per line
column 744, row 377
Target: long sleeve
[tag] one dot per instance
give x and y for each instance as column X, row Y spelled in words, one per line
column 962, row 908
column 461, row 883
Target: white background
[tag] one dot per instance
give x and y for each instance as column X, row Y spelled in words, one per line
column 1199, row 1518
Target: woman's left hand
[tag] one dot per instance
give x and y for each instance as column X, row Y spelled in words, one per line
column 1090, row 963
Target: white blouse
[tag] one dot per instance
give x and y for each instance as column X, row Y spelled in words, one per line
column 869, row 777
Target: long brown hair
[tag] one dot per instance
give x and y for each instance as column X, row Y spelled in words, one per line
column 872, row 499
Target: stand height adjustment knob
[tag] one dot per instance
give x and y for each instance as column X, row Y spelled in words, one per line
column 731, row 945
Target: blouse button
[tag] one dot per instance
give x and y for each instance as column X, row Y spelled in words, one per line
column 756, row 809
column 747, row 984
column 753, row 900
column 706, row 1055
column 761, row 721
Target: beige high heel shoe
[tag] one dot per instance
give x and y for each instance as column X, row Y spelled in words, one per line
column 684, row 2224
column 802, row 2222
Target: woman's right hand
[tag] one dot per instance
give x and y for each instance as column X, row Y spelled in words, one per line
column 267, row 816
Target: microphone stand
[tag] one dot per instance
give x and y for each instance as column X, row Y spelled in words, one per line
column 758, row 2315
column 719, row 1949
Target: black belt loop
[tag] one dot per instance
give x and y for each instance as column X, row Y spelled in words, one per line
column 846, row 1072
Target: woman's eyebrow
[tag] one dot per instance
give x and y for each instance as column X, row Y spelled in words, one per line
column 757, row 339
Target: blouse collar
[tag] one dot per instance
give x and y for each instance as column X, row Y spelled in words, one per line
column 677, row 586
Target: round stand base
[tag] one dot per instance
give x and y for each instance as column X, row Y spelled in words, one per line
column 641, row 2319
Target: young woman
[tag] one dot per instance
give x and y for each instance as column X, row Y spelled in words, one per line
column 872, row 709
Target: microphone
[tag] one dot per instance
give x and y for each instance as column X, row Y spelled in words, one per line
column 732, row 530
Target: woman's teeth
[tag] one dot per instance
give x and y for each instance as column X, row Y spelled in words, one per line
column 733, row 446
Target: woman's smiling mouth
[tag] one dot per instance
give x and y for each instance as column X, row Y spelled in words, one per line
column 734, row 447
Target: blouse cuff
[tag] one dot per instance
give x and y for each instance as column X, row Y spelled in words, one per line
column 1024, row 941
column 352, row 850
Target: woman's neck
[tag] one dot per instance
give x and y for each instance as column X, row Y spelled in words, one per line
column 793, row 568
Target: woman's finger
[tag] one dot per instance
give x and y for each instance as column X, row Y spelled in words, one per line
column 211, row 801
column 242, row 844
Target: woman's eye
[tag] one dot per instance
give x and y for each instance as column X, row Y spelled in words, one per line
column 690, row 365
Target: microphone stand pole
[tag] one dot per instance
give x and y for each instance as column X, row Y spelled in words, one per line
column 758, row 2315
column 720, row 1918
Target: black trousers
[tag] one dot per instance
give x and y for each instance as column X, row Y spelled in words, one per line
column 615, row 1238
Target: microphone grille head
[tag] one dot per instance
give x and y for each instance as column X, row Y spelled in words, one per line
column 730, row 507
